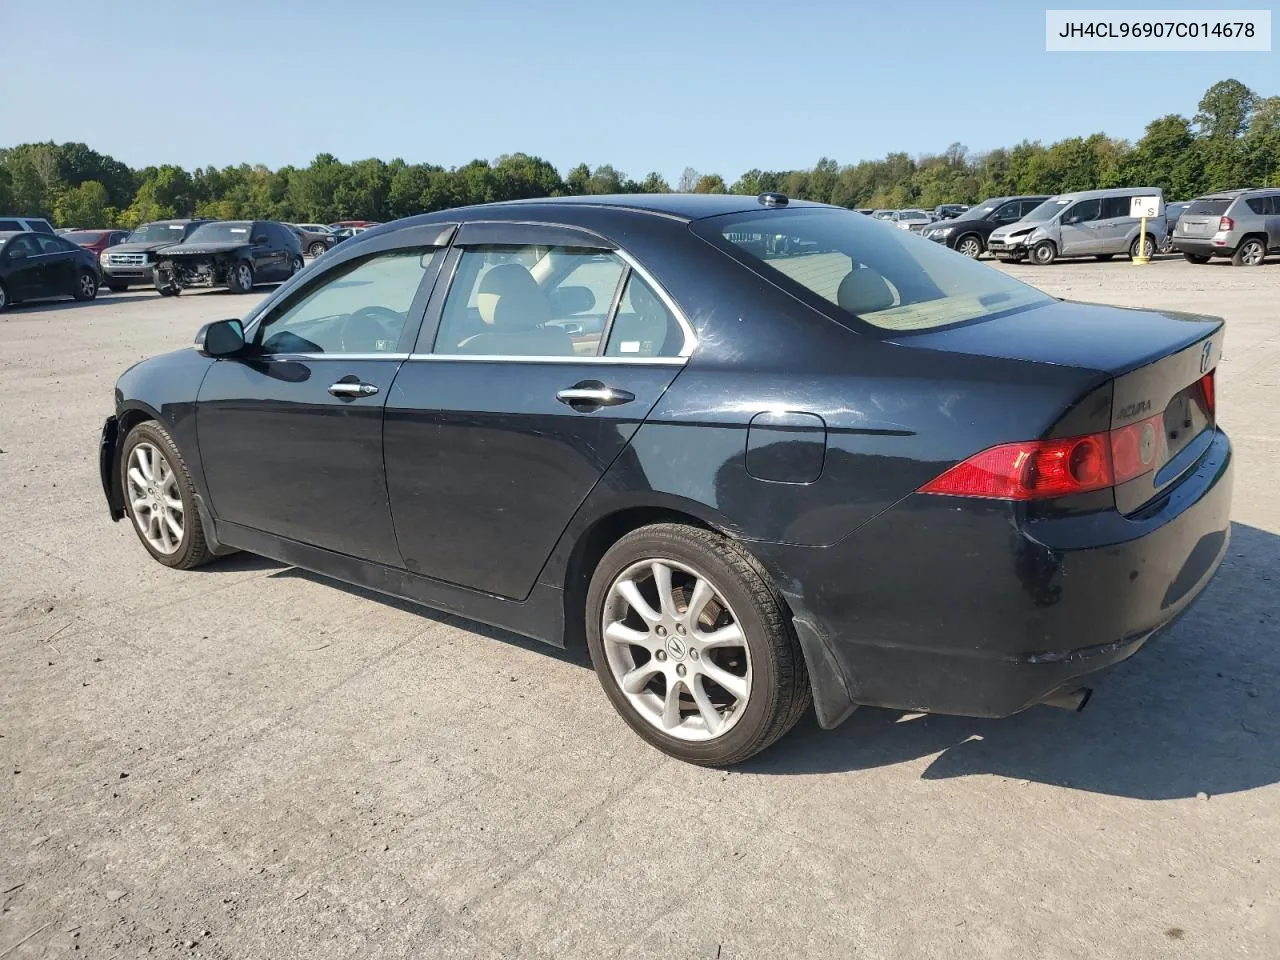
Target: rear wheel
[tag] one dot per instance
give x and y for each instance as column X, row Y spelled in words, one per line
column 1149, row 247
column 4, row 298
column 1251, row 253
column 86, row 287
column 970, row 245
column 1044, row 253
column 693, row 645
column 160, row 499
column 317, row 248
column 240, row 277
column 1195, row 258
column 297, row 266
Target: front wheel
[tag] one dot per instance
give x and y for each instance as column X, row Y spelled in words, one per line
column 240, row 278
column 86, row 287
column 317, row 248
column 297, row 266
column 1044, row 253
column 4, row 298
column 693, row 646
column 160, row 499
column 1250, row 253
column 970, row 246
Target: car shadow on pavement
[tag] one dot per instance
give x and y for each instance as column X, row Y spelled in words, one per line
column 1198, row 711
column 46, row 306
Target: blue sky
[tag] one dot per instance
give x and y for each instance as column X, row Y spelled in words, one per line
column 658, row 85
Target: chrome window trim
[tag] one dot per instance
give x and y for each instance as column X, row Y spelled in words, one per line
column 512, row 358
column 331, row 356
column 690, row 338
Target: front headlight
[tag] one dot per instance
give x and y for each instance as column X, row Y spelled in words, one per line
column 944, row 231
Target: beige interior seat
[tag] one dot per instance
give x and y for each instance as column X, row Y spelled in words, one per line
column 515, row 309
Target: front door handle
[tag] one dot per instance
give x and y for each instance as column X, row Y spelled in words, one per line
column 594, row 394
column 345, row 388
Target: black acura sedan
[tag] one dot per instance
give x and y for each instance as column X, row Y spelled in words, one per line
column 36, row 266
column 753, row 453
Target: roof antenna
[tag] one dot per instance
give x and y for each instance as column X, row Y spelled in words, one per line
column 772, row 199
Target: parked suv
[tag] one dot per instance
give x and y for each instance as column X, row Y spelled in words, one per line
column 25, row 225
column 236, row 254
column 133, row 262
column 1241, row 224
column 1092, row 223
column 969, row 231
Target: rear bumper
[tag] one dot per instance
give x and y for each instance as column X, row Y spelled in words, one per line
column 1203, row 247
column 964, row 607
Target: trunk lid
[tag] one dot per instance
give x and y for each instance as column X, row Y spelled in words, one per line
column 1157, row 362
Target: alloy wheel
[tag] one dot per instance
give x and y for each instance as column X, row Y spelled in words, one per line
column 1252, row 253
column 88, row 286
column 676, row 649
column 245, row 276
column 970, row 247
column 154, row 498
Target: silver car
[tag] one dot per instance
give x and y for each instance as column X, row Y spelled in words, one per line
column 1241, row 224
column 913, row 220
column 1090, row 223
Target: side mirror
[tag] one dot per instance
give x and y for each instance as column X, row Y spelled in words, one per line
column 222, row 338
column 566, row 301
column 16, row 255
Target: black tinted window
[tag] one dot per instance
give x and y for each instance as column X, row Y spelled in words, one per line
column 25, row 244
column 10, row 226
column 1083, row 212
column 1207, row 208
column 1265, row 206
column 1115, row 207
column 41, row 226
column 1008, row 212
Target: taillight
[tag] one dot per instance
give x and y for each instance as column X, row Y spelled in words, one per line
column 1209, row 391
column 1226, row 223
column 1044, row 469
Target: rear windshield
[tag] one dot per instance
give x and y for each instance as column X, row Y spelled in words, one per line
column 1209, row 208
column 889, row 278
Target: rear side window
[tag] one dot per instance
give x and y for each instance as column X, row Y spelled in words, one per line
column 41, row 226
column 362, row 307
column 1207, row 208
column 887, row 278
column 644, row 325
column 10, row 226
column 1265, row 206
column 1113, row 207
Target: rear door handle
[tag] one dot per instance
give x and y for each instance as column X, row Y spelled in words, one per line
column 594, row 395
column 344, row 388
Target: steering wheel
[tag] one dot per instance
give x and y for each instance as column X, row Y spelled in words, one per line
column 361, row 330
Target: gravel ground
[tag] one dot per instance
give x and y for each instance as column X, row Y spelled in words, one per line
column 247, row 761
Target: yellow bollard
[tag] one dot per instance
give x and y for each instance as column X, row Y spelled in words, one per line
column 1142, row 257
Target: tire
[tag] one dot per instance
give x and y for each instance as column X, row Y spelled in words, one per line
column 1195, row 258
column 317, row 248
column 5, row 302
column 156, row 494
column 1150, row 245
column 970, row 245
column 170, row 290
column 1103, row 257
column 86, row 287
column 240, row 277
column 773, row 681
column 297, row 266
column 1044, row 253
column 117, row 287
column 1250, row 253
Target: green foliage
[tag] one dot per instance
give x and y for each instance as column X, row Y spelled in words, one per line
column 1233, row 140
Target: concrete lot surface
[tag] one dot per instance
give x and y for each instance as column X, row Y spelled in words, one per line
column 247, row 761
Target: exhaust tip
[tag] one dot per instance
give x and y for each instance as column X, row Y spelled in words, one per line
column 1075, row 700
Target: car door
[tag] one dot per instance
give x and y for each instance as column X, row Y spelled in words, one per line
column 22, row 267
column 497, row 431
column 1111, row 231
column 1077, row 228
column 290, row 433
column 264, row 252
column 59, row 264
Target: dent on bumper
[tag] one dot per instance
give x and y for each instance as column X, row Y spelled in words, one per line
column 960, row 607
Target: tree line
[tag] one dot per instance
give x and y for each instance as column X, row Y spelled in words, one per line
column 1232, row 140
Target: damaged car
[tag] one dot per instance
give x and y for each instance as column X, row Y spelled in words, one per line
column 236, row 254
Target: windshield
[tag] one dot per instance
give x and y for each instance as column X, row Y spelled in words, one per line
column 156, row 232
column 1047, row 210
column 914, row 215
column 889, row 278
column 229, row 232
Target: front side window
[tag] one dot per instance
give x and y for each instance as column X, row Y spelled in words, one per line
column 1083, row 212
column 49, row 243
column 360, row 307
column 889, row 279
column 1009, row 212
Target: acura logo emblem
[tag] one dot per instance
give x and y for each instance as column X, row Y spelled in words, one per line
column 676, row 648
column 1205, row 356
